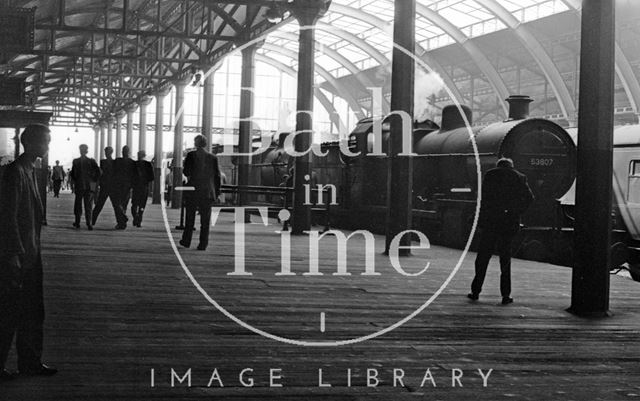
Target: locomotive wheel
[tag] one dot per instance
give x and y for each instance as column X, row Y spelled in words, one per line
column 634, row 269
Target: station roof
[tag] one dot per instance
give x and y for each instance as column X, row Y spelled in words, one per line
column 98, row 56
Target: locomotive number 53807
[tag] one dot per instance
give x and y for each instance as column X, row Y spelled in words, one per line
column 541, row 162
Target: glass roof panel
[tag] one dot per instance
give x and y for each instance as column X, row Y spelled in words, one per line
column 372, row 21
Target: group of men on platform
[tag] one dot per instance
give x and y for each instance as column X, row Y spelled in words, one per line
column 120, row 180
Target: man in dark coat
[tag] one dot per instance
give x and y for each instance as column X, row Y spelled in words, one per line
column 21, row 296
column 203, row 174
column 57, row 176
column 124, row 171
column 505, row 197
column 140, row 193
column 106, row 184
column 85, row 173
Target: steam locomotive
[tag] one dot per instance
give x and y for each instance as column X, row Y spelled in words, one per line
column 445, row 180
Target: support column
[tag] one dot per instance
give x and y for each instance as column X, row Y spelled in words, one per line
column 157, row 149
column 16, row 143
column 247, row 78
column 400, row 168
column 110, row 121
column 307, row 12
column 142, row 129
column 119, row 116
column 103, row 136
column 590, row 281
column 207, row 107
column 96, row 142
column 176, row 167
column 130, row 110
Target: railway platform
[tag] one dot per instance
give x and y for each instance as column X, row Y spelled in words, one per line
column 127, row 319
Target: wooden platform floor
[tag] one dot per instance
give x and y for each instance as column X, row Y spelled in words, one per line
column 119, row 305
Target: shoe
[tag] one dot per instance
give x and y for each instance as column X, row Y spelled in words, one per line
column 184, row 243
column 507, row 300
column 121, row 227
column 76, row 225
column 472, row 296
column 90, row 228
column 5, row 375
column 202, row 248
column 41, row 370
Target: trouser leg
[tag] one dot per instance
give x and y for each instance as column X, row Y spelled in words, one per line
column 126, row 196
column 485, row 250
column 119, row 207
column 56, row 188
column 190, row 220
column 29, row 336
column 77, row 207
column 114, row 203
column 88, row 206
column 205, row 222
column 142, row 203
column 103, row 194
column 9, row 316
column 504, row 249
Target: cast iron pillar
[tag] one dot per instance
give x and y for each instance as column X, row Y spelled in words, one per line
column 119, row 116
column 16, row 144
column 176, row 166
column 130, row 109
column 110, row 122
column 590, row 281
column 142, row 129
column 103, row 137
column 157, row 147
column 247, row 79
column 307, row 12
column 207, row 106
column 400, row 168
column 96, row 142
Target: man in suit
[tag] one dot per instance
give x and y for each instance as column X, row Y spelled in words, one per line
column 106, row 184
column 57, row 175
column 505, row 197
column 203, row 174
column 85, row 173
column 124, row 172
column 21, row 296
column 140, row 193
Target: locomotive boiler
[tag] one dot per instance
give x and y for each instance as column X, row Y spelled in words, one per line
column 445, row 172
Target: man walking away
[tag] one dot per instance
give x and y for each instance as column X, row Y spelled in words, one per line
column 57, row 176
column 201, row 169
column 106, row 184
column 21, row 295
column 85, row 174
column 124, row 171
column 505, row 197
column 144, row 175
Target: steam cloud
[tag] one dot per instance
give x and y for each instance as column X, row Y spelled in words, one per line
column 426, row 85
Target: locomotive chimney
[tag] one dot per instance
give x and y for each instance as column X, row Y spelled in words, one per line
column 452, row 119
column 518, row 106
column 281, row 138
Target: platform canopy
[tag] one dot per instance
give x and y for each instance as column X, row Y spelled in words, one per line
column 92, row 58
